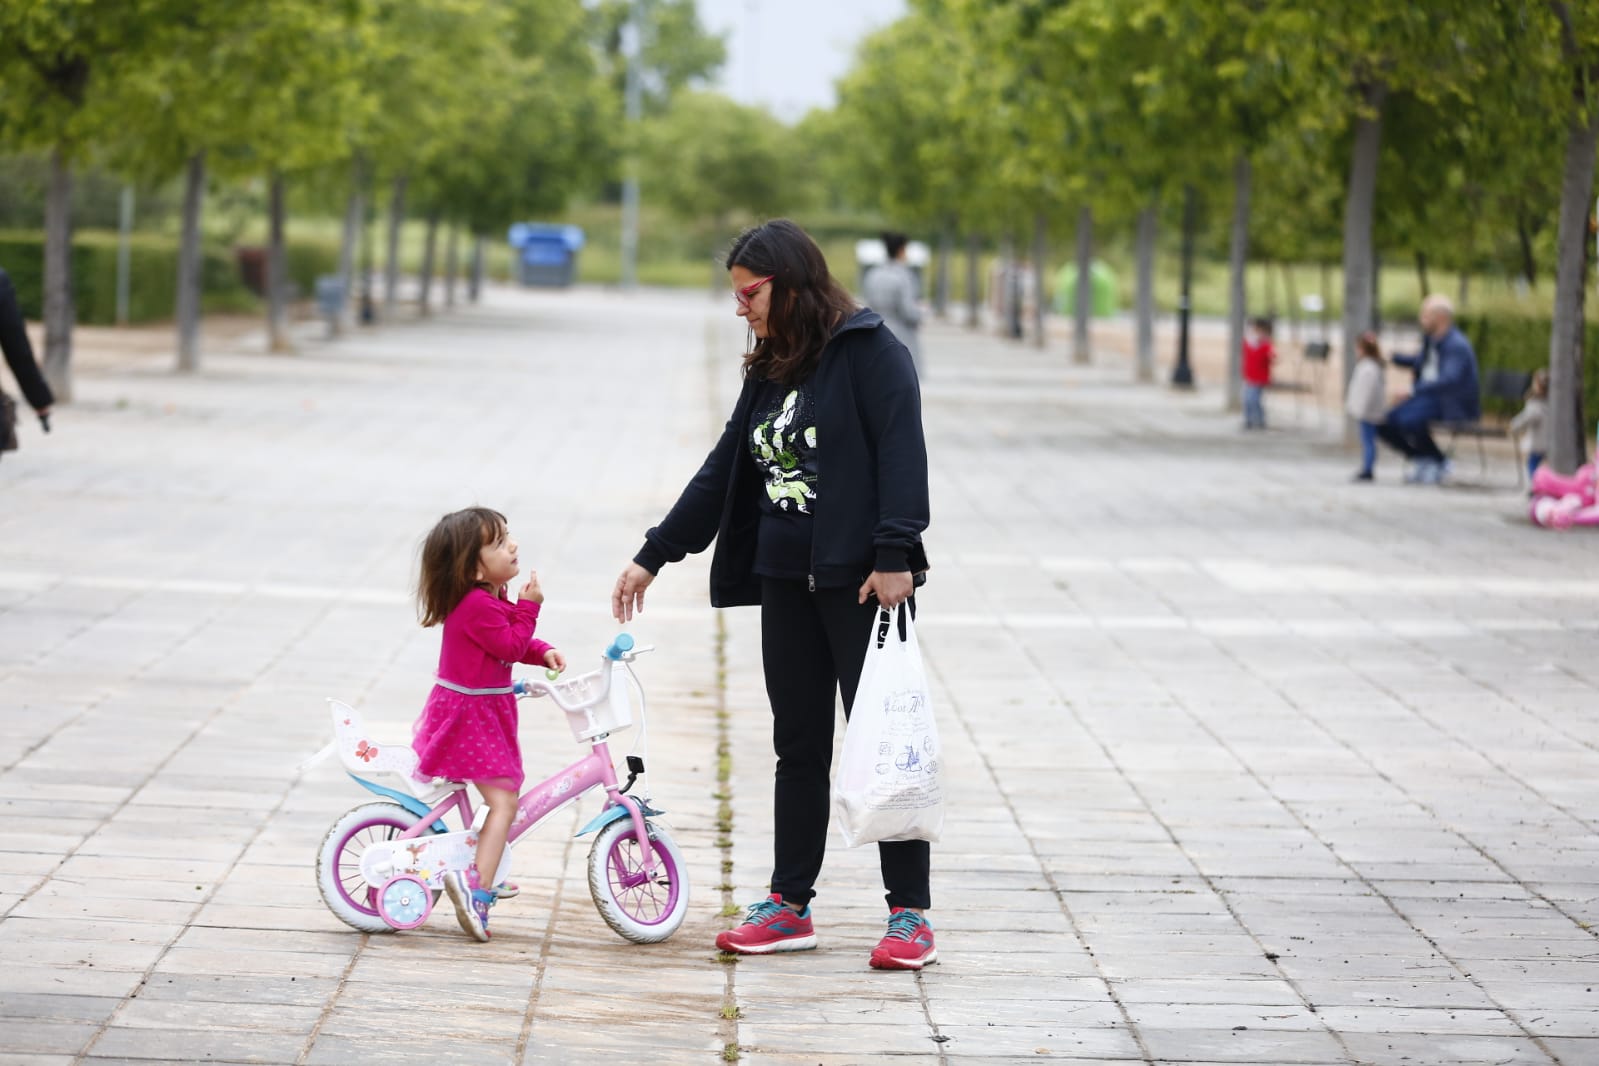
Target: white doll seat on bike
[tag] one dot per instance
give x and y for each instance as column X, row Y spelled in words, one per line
column 365, row 757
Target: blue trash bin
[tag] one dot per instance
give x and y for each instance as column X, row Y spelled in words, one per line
column 546, row 253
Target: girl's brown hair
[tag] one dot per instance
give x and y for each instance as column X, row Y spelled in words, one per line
column 450, row 560
column 1366, row 345
column 807, row 302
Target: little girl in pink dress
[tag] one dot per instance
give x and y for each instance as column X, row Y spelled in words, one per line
column 467, row 729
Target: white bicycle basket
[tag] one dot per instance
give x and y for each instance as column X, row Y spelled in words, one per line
column 590, row 709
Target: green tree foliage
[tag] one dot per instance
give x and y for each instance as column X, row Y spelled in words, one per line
column 675, row 51
column 62, row 66
column 709, row 157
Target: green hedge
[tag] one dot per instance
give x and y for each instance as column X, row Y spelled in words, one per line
column 1521, row 342
column 153, row 274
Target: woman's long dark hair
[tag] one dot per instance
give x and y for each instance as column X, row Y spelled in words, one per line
column 807, row 302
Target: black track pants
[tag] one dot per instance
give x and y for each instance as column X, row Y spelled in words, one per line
column 813, row 645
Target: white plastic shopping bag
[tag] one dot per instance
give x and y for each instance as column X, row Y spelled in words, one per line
column 888, row 784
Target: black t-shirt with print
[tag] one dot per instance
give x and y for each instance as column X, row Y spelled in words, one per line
column 782, row 444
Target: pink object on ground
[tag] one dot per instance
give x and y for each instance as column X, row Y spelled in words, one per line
column 1545, row 482
column 1563, row 512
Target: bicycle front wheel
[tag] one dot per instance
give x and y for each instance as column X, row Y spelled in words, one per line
column 645, row 908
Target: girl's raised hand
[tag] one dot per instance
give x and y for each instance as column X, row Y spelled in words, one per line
column 554, row 660
column 531, row 591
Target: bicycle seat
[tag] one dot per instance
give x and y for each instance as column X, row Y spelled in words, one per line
column 365, row 757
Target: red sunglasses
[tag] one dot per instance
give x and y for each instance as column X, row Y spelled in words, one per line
column 747, row 293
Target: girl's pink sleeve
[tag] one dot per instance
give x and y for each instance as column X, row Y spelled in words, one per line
column 499, row 628
column 536, row 650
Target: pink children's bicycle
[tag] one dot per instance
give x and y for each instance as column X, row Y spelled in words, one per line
column 382, row 864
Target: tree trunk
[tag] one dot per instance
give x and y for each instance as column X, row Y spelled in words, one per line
column 474, row 284
column 1421, row 275
column 946, row 240
column 277, row 276
column 425, row 289
column 354, row 215
column 452, row 264
column 1376, row 292
column 1083, row 299
column 391, row 268
column 58, row 309
column 1145, row 301
column 189, row 260
column 974, row 297
column 124, row 252
column 1040, row 289
column 1291, row 296
column 1567, row 432
column 1529, row 262
column 1237, row 290
column 1359, row 212
column 1321, row 315
column 1013, row 289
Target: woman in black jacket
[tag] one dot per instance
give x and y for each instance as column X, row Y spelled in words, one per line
column 816, row 497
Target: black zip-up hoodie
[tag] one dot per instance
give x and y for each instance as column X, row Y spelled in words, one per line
column 871, row 473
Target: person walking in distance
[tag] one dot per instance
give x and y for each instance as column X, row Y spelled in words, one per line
column 893, row 291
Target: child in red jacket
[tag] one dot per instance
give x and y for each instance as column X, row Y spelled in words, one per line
column 1258, row 355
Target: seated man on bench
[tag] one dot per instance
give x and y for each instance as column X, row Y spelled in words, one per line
column 1446, row 390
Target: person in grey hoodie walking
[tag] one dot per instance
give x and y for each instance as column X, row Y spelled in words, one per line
column 891, row 289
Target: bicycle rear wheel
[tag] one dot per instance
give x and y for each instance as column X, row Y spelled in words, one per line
column 338, row 862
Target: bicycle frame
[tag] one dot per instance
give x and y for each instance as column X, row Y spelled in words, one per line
column 594, row 770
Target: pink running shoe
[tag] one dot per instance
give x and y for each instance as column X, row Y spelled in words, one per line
column 770, row 926
column 908, row 944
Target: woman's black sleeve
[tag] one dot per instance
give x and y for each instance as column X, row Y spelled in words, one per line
column 18, row 352
column 891, row 405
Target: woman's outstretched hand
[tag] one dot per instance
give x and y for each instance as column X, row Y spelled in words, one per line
column 627, row 599
column 891, row 587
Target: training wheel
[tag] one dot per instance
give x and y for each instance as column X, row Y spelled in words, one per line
column 404, row 902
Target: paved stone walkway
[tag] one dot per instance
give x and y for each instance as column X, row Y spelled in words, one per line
column 1250, row 764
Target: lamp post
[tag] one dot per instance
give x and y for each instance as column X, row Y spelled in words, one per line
column 632, row 41
column 1182, row 376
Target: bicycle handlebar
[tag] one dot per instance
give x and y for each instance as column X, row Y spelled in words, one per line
column 620, row 650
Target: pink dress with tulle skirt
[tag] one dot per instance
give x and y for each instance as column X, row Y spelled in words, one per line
column 473, row 737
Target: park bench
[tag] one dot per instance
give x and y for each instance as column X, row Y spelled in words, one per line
column 1503, row 385
column 1313, row 358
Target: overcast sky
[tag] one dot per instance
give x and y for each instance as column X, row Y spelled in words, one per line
column 786, row 53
